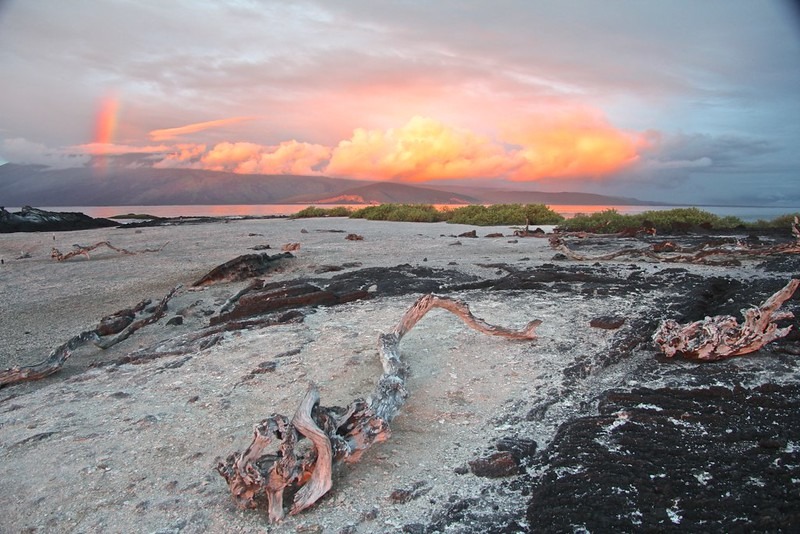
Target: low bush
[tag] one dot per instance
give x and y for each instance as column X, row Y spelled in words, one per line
column 401, row 212
column 674, row 220
column 505, row 214
column 313, row 211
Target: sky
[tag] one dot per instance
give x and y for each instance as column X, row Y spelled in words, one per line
column 680, row 101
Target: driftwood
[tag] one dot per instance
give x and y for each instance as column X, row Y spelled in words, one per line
column 336, row 435
column 81, row 250
column 669, row 252
column 720, row 337
column 55, row 360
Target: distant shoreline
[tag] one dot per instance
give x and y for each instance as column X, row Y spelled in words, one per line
column 746, row 213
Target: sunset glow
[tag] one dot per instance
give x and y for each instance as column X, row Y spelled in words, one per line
column 658, row 100
column 425, row 149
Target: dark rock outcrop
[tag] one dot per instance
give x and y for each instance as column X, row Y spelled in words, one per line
column 30, row 219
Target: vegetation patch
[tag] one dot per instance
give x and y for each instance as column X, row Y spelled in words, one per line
column 664, row 221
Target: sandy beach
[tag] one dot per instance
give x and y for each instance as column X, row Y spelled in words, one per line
column 132, row 448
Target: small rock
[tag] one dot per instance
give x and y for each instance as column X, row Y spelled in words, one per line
column 354, row 237
column 175, row 321
column 607, row 322
column 370, row 515
column 495, row 234
column 309, row 529
column 471, row 233
column 264, row 367
column 404, row 495
column 498, row 465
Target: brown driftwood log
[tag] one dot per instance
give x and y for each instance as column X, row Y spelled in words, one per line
column 337, row 435
column 84, row 251
column 55, row 360
column 716, row 338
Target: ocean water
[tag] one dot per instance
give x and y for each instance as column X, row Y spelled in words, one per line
column 746, row 213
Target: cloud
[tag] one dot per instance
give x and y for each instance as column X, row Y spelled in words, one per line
column 289, row 157
column 171, row 133
column 22, row 151
column 423, row 149
column 579, row 143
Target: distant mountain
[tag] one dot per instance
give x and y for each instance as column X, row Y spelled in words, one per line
column 390, row 193
column 35, row 185
column 498, row 196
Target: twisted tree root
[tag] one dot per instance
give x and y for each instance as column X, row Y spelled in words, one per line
column 336, row 435
column 716, row 338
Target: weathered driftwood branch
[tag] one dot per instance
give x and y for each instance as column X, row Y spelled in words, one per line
column 84, row 251
column 49, row 365
column 55, row 360
column 337, row 435
column 716, row 338
column 157, row 314
column 669, row 252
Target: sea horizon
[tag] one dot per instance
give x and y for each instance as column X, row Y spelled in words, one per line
column 745, row 213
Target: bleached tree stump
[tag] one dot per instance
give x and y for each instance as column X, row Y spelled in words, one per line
column 336, row 435
column 720, row 337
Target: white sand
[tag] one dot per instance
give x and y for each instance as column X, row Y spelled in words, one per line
column 133, row 450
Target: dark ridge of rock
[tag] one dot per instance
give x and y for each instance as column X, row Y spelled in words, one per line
column 277, row 297
column 242, row 268
column 497, row 465
column 399, row 280
column 30, row 219
column 264, row 298
column 607, row 322
column 700, row 459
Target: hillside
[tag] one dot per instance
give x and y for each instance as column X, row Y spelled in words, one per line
column 391, row 193
column 35, row 185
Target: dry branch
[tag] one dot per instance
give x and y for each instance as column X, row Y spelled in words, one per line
column 716, row 338
column 669, row 252
column 55, row 360
column 157, row 314
column 336, row 435
column 84, row 251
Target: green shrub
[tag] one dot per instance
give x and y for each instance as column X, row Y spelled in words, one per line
column 313, row 211
column 401, row 212
column 783, row 221
column 674, row 220
column 602, row 222
column 505, row 214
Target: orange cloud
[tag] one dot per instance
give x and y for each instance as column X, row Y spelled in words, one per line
column 183, row 155
column 290, row 157
column 171, row 133
column 576, row 144
column 423, row 149
column 579, row 144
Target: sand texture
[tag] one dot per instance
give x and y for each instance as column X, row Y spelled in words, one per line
column 104, row 447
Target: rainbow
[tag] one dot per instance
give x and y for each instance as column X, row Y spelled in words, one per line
column 104, row 129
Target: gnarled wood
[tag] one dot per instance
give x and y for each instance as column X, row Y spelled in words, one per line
column 716, row 338
column 84, row 250
column 336, row 435
column 157, row 314
column 55, row 360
